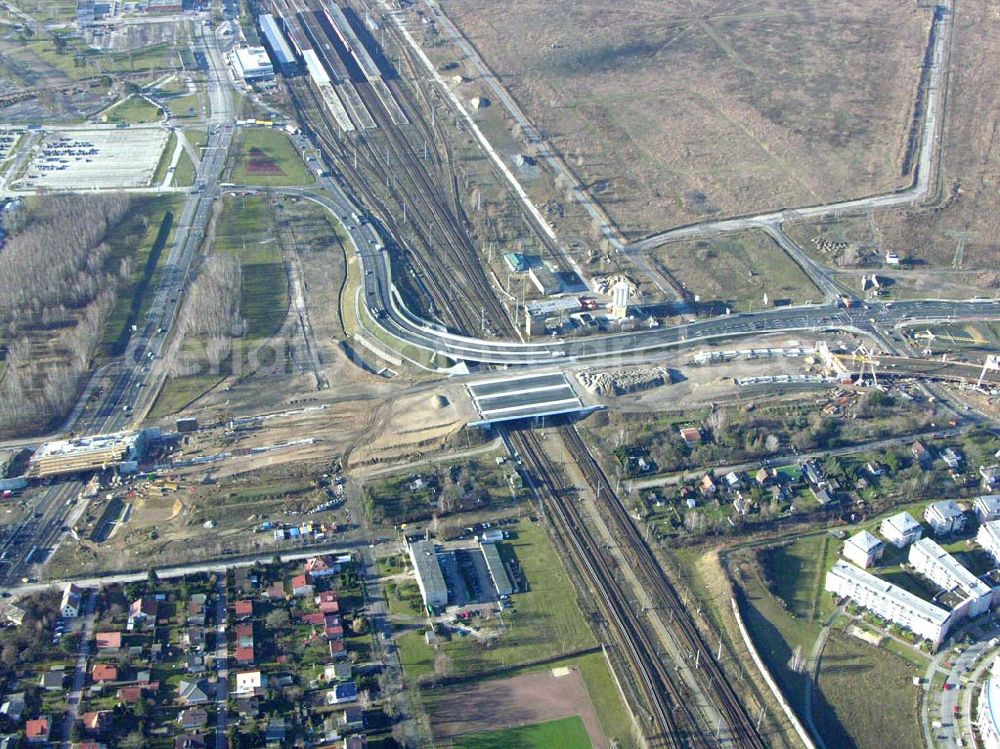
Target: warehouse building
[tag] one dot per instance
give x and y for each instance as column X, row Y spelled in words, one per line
column 498, row 572
column 274, row 39
column 890, row 602
column 430, row 579
column 251, row 64
column 971, row 595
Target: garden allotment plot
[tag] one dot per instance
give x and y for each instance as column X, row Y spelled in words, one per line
column 527, row 396
column 94, row 158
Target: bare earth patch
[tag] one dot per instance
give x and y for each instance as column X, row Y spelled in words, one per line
column 674, row 112
column 519, row 700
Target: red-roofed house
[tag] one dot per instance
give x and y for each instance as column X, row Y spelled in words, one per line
column 130, row 695
column 301, row 586
column 315, row 618
column 332, row 627
column 37, row 731
column 323, row 566
column 244, row 656
column 328, row 602
column 244, row 609
column 96, row 722
column 276, row 591
column 337, row 649
column 104, row 672
column 108, row 643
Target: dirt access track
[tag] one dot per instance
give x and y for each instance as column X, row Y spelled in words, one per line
column 519, row 700
column 676, row 112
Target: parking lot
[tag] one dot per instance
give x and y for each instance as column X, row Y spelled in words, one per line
column 94, row 158
column 8, row 138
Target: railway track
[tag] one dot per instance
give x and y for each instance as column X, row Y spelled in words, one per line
column 672, row 723
column 448, row 259
column 715, row 682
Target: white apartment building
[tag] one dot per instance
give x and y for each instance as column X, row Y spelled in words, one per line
column 944, row 517
column 889, row 601
column 863, row 549
column 942, row 569
column 987, row 507
column 901, row 529
column 989, row 538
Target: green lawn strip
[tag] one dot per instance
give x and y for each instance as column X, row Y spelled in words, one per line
column 612, row 714
column 845, row 712
column 246, row 229
column 564, row 733
column 133, row 111
column 196, row 137
column 184, row 173
column 144, row 236
column 415, row 656
column 164, row 164
column 177, row 392
column 265, row 156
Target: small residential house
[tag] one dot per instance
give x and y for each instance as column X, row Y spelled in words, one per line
column 69, row 607
column 192, row 718
column 342, row 693
column 875, row 468
column 191, row 741
column 109, row 644
column 250, row 683
column 921, row 453
column 863, row 549
column 991, row 477
column 53, row 679
column 690, row 435
column 951, row 458
column 707, row 485
column 276, row 591
column 196, row 610
column 104, row 672
column 357, row 741
column 13, row 707
column 328, row 602
column 901, row 529
column 322, row 566
column 142, row 613
column 96, row 722
column 352, row 719
column 337, row 671
column 244, row 609
column 765, row 476
column 192, row 692
column 275, row 732
column 301, row 586
column 945, row 517
column 37, row 731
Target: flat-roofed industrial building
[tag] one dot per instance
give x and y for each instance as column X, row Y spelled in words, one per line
column 252, row 63
column 430, row 579
column 498, row 572
column 276, row 44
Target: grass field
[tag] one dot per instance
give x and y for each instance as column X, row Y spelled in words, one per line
column 264, row 156
column 846, row 713
column 246, row 229
column 797, row 572
column 177, row 392
column 737, row 271
column 133, row 111
column 672, row 113
column 565, row 733
column 184, row 173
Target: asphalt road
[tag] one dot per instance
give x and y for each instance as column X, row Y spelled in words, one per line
column 128, row 385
